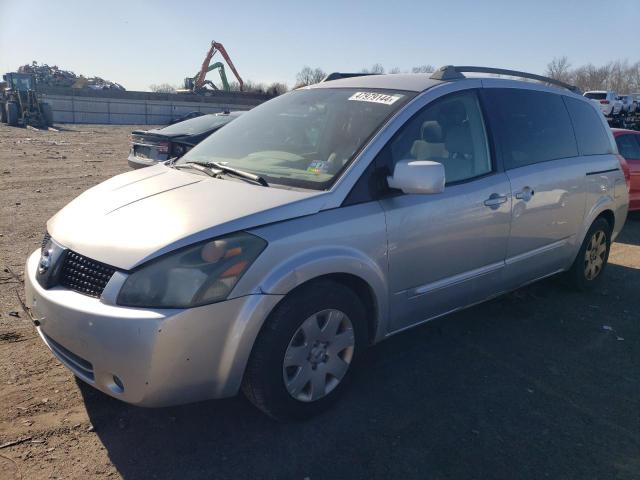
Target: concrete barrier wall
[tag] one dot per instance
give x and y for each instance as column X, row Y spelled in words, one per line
column 138, row 108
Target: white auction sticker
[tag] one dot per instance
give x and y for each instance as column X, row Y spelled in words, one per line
column 375, row 97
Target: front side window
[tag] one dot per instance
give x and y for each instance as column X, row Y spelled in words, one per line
column 449, row 131
column 304, row 138
column 531, row 126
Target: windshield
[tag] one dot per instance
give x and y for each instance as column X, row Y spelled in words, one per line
column 195, row 126
column 21, row 83
column 304, row 138
column 596, row 95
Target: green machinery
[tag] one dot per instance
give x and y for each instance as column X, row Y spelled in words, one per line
column 189, row 82
column 20, row 104
column 197, row 83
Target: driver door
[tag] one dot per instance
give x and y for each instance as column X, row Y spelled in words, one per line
column 446, row 250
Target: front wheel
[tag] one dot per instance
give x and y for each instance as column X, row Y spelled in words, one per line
column 586, row 271
column 305, row 353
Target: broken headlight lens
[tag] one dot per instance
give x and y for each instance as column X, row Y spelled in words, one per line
column 197, row 275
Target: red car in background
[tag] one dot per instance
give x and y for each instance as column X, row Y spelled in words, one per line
column 629, row 147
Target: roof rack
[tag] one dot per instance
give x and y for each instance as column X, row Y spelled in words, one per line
column 452, row 72
column 339, row 75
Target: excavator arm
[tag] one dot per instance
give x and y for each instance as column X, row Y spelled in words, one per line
column 205, row 68
column 227, row 59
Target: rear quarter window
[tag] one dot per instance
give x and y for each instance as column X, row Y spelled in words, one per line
column 629, row 146
column 530, row 126
column 590, row 133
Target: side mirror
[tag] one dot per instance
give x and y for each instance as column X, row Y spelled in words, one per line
column 418, row 176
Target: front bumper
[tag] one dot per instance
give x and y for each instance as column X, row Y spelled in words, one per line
column 159, row 357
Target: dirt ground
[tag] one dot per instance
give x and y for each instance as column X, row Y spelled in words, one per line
column 540, row 383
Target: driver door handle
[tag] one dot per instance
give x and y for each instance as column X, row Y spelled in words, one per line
column 495, row 200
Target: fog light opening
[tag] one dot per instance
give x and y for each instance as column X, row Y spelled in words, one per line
column 118, row 386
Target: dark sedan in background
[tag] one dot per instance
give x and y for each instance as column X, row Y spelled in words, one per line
column 149, row 147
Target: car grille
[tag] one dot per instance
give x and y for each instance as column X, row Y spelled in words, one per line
column 46, row 238
column 84, row 275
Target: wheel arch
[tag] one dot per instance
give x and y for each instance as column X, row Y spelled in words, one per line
column 609, row 216
column 352, row 267
column 360, row 287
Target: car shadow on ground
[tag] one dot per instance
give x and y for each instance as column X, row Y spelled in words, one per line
column 542, row 382
column 630, row 235
column 526, row 386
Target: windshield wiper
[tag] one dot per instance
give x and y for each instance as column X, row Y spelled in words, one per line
column 196, row 166
column 232, row 171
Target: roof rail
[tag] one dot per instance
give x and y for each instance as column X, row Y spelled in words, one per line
column 339, row 75
column 452, row 72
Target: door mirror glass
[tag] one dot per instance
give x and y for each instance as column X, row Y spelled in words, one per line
column 417, row 176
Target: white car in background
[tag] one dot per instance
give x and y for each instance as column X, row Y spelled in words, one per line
column 608, row 101
column 629, row 104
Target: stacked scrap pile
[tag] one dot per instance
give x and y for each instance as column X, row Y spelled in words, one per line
column 54, row 77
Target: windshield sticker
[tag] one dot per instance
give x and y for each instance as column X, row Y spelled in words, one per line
column 318, row 166
column 374, row 97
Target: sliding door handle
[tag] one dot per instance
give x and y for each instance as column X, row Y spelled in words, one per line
column 525, row 194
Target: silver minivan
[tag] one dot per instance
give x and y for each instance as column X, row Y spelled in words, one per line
column 319, row 223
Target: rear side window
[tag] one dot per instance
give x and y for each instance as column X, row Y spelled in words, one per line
column 629, row 146
column 531, row 126
column 590, row 133
column 596, row 95
column 198, row 125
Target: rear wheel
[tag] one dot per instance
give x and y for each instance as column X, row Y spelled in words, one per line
column 12, row 113
column 305, row 353
column 586, row 271
column 3, row 113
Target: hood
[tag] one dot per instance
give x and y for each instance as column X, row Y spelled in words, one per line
column 136, row 216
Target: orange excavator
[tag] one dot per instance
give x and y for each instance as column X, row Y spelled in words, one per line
column 198, row 82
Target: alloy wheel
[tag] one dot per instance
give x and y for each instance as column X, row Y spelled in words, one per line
column 594, row 256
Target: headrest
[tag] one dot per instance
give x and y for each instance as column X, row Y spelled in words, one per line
column 431, row 132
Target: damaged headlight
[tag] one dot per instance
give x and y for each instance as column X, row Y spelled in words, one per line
column 196, row 275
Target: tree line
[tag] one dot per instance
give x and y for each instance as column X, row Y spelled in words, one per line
column 309, row 76
column 618, row 75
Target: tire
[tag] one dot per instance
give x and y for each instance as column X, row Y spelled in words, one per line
column 12, row 114
column 3, row 113
column 268, row 382
column 583, row 275
column 47, row 113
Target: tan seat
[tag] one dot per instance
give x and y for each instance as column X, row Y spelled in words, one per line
column 431, row 145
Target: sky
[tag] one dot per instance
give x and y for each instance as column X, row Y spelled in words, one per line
column 139, row 43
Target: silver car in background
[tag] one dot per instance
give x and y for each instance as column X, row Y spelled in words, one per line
column 323, row 221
